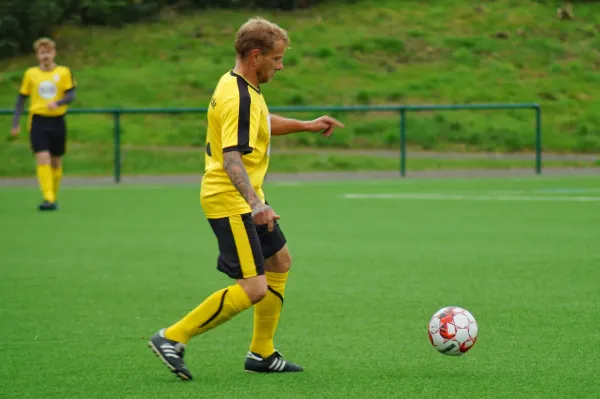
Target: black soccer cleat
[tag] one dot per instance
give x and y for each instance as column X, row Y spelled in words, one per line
column 48, row 206
column 272, row 364
column 171, row 353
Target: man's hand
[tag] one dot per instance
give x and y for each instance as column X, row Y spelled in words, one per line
column 263, row 214
column 325, row 125
column 52, row 105
column 14, row 132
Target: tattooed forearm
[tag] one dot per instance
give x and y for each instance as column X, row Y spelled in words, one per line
column 233, row 165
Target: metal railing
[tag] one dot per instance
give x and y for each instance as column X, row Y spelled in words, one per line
column 400, row 109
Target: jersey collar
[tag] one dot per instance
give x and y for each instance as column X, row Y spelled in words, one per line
column 49, row 70
column 249, row 84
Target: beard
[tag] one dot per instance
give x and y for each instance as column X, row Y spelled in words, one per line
column 265, row 76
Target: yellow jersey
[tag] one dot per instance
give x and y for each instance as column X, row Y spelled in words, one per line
column 238, row 120
column 44, row 87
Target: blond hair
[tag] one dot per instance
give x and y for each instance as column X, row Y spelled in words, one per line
column 44, row 42
column 258, row 33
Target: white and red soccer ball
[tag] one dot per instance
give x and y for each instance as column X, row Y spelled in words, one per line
column 452, row 331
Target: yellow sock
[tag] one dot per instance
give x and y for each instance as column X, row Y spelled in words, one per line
column 56, row 176
column 44, row 174
column 266, row 315
column 216, row 309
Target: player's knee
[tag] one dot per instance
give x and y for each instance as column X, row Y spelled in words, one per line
column 285, row 262
column 257, row 293
column 256, row 288
column 281, row 262
column 43, row 158
column 55, row 162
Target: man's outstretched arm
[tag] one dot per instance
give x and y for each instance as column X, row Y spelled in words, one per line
column 324, row 125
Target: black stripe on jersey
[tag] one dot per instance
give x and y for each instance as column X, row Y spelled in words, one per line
column 249, row 85
column 244, row 113
column 243, row 133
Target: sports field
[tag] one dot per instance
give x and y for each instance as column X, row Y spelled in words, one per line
column 82, row 289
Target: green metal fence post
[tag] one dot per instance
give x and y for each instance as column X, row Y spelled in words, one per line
column 117, row 134
column 403, row 142
column 538, row 140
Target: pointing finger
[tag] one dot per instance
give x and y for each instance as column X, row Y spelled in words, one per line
column 332, row 121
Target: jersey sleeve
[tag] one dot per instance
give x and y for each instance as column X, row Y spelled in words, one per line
column 239, row 125
column 69, row 80
column 25, row 84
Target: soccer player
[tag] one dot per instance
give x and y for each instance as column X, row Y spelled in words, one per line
column 50, row 88
column 252, row 247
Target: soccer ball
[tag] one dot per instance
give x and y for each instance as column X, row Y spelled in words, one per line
column 452, row 331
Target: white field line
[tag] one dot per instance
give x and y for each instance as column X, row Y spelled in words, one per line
column 467, row 197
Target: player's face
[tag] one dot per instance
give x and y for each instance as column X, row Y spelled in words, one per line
column 271, row 62
column 46, row 55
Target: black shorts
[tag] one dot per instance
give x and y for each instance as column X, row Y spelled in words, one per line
column 48, row 133
column 244, row 246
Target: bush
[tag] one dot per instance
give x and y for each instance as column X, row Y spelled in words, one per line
column 117, row 12
column 267, row 4
column 275, row 4
column 22, row 22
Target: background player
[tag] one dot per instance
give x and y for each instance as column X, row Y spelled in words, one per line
column 252, row 246
column 50, row 88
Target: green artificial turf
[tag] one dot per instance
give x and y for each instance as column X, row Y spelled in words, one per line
column 82, row 289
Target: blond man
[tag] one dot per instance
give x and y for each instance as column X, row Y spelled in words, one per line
column 253, row 250
column 50, row 89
